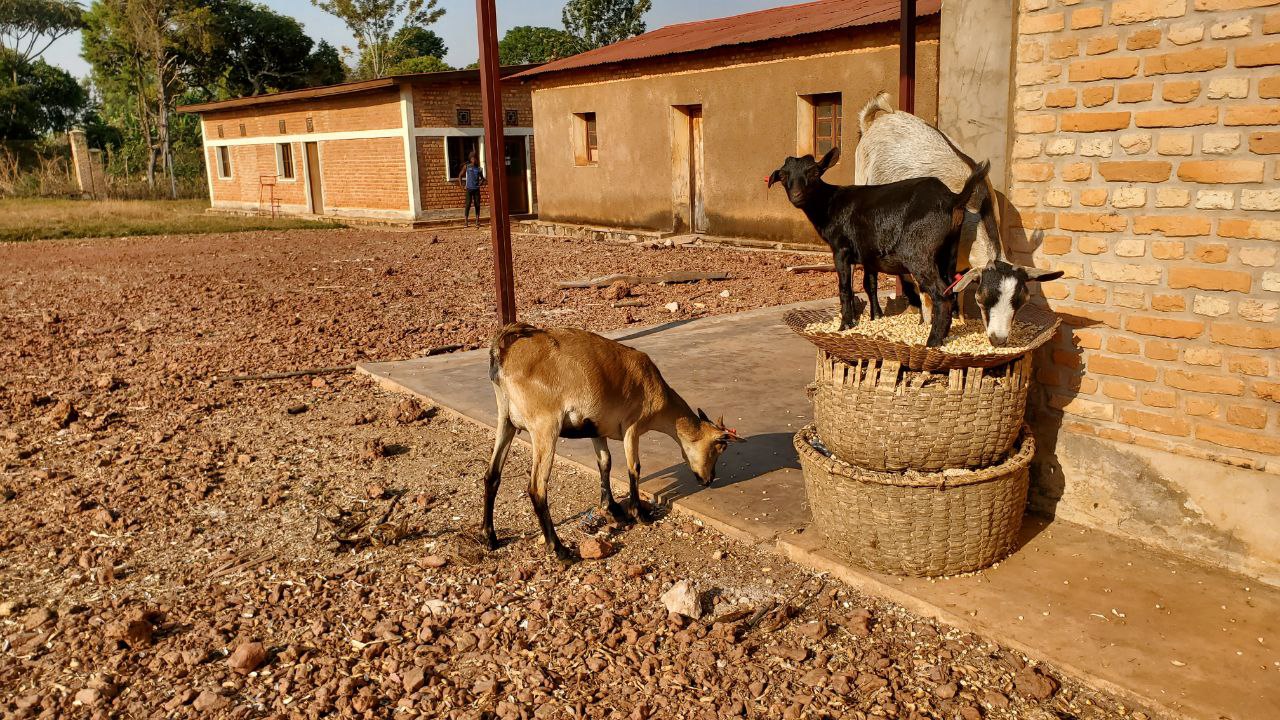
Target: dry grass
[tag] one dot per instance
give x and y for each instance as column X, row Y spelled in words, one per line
column 42, row 219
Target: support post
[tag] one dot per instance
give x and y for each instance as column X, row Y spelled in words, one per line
column 499, row 219
column 907, row 58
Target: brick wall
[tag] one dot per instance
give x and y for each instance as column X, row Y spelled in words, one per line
column 1145, row 156
column 248, row 164
column 343, row 113
column 436, row 104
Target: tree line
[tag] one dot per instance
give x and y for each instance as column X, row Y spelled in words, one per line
column 146, row 57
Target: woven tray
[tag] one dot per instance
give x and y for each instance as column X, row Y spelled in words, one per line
column 918, row 524
column 879, row 416
column 914, row 357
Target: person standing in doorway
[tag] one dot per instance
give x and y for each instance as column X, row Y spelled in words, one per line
column 471, row 179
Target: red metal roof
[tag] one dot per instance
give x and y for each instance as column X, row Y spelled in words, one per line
column 772, row 24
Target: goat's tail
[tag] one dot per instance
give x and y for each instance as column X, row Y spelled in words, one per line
column 975, row 183
column 875, row 106
column 502, row 340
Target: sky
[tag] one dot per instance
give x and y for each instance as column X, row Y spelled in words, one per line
column 458, row 26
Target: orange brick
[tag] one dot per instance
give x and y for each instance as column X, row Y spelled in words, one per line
column 1248, row 365
column 1172, row 225
column 1203, row 382
column 1121, row 367
column 1182, row 91
column 1259, row 115
column 1034, row 124
column 1087, row 339
column 1267, row 391
column 1091, row 222
column 1102, row 68
column 1123, row 345
column 1090, row 245
column 1178, row 117
column 1117, row 390
column 1245, row 336
column 1168, row 303
column 1076, row 172
column 1082, row 407
column 1102, row 44
column 1095, row 96
column 1258, row 55
column 1269, row 87
column 1264, row 143
column 1055, row 245
column 1035, row 24
column 1271, row 23
column 1211, row 5
column 1155, row 397
column 1086, row 18
column 1206, row 279
column 1032, row 172
column 1221, row 171
column 1212, row 253
column 1067, row 359
column 1061, row 98
column 1136, row 92
column 1246, row 416
column 1034, row 221
column 1201, row 407
column 1055, row 291
column 1163, row 327
column 1199, row 60
column 1262, row 443
column 1064, row 48
column 1205, row 357
column 1135, row 170
column 1167, row 249
column 1095, row 122
column 1163, row 424
column 1077, row 315
column 1124, row 12
column 1143, row 39
column 1161, row 350
column 1249, row 229
column 1091, row 294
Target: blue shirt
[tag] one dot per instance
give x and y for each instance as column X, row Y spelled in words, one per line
column 473, row 175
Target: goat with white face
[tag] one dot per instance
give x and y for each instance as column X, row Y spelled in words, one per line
column 897, row 146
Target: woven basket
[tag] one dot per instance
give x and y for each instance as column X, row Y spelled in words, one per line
column 916, row 357
column 879, row 416
column 919, row 524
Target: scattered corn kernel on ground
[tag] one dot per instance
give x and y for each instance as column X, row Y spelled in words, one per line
column 906, row 327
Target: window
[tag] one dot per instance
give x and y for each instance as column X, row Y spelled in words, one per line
column 284, row 161
column 826, row 122
column 586, row 145
column 457, row 151
column 224, row 162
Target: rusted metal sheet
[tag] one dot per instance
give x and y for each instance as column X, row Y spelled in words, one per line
column 773, row 24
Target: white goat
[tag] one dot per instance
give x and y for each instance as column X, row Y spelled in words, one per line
column 898, row 146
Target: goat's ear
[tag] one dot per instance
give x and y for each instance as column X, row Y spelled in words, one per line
column 969, row 277
column 1040, row 275
column 703, row 416
column 829, row 159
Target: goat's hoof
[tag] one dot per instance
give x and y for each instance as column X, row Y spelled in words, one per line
column 566, row 557
column 619, row 514
column 641, row 512
column 490, row 542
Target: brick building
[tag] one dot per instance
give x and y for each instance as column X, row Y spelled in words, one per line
column 1144, row 147
column 383, row 150
column 676, row 129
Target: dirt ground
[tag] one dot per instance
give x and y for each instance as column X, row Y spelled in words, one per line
column 172, row 546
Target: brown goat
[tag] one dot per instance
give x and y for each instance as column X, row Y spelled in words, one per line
column 562, row 382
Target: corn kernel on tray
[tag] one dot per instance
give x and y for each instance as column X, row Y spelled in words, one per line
column 901, row 336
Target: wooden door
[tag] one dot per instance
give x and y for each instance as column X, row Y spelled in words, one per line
column 315, row 189
column 697, row 201
column 517, row 175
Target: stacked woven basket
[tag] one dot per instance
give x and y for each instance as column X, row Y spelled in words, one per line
column 917, row 461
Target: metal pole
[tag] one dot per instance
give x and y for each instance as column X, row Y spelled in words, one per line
column 499, row 220
column 907, row 58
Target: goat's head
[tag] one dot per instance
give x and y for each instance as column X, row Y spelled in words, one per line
column 702, row 444
column 1001, row 292
column 800, row 174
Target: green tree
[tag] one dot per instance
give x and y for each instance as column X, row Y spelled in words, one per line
column 413, row 41
column 604, row 22
column 528, row 44
column 44, row 99
column 29, row 27
column 261, row 51
column 325, row 66
column 420, row 64
column 373, row 22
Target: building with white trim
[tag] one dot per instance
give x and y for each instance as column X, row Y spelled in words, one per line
column 385, row 150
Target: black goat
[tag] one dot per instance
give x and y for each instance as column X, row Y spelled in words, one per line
column 912, row 226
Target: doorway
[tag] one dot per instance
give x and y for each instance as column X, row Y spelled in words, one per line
column 687, row 171
column 517, row 165
column 315, row 189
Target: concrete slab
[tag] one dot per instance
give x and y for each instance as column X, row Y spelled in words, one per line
column 1174, row 636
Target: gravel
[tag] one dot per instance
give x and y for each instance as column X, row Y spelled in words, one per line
column 171, row 546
